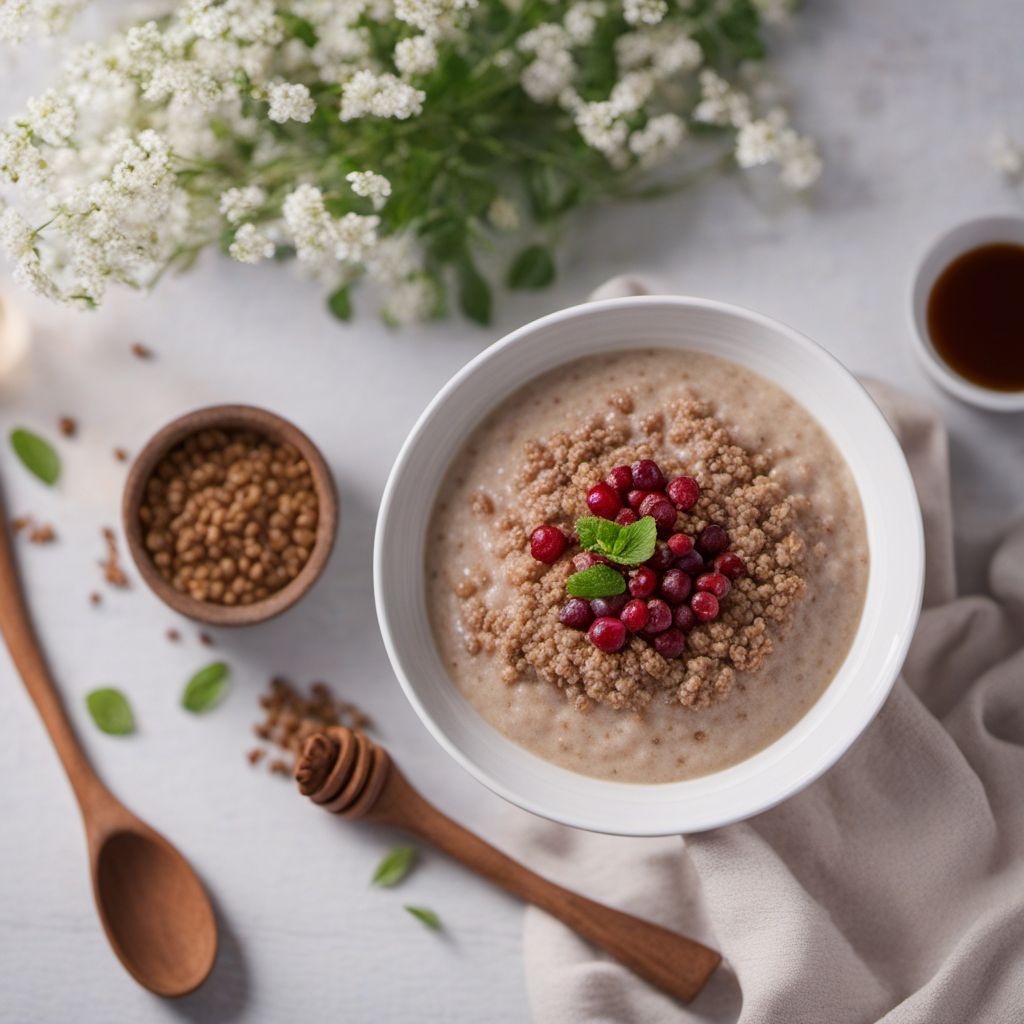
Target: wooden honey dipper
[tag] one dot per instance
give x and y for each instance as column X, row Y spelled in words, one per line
column 346, row 773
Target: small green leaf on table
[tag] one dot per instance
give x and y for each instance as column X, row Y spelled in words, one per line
column 427, row 916
column 206, row 688
column 111, row 711
column 37, row 455
column 396, row 864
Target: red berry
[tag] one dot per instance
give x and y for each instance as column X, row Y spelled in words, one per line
column 634, row 615
column 662, row 558
column 684, row 491
column 690, row 563
column 642, row 581
column 675, row 586
column 585, row 559
column 680, row 544
column 670, row 644
column 659, row 616
column 647, row 475
column 547, row 544
column 633, row 498
column 621, row 478
column 576, row 614
column 660, row 509
column 603, row 501
column 728, row 563
column 704, row 605
column 714, row 583
column 604, row 606
column 712, row 540
column 626, row 517
column 607, row 634
column 683, row 618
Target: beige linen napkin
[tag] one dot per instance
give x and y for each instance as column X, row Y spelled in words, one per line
column 890, row 890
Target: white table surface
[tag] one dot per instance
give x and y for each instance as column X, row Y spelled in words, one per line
column 903, row 97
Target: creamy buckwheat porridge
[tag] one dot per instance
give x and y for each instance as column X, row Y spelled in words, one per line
column 647, row 565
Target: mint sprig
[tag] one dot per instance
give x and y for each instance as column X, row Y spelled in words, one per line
column 598, row 581
column 627, row 545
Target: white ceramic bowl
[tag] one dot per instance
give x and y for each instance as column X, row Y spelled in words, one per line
column 938, row 256
column 894, row 585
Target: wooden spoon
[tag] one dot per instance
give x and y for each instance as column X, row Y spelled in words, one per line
column 154, row 909
column 346, row 773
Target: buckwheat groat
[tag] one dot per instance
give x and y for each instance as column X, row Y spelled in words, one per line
column 728, row 633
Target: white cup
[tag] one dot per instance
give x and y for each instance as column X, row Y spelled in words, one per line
column 955, row 242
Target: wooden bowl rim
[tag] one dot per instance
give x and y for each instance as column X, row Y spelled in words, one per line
column 230, row 416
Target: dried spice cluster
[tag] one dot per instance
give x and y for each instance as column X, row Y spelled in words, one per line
column 290, row 717
column 736, row 492
column 230, row 516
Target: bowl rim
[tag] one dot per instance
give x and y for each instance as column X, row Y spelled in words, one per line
column 868, row 709
column 230, row 416
column 934, row 258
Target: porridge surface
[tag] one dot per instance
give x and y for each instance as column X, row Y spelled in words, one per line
column 768, row 474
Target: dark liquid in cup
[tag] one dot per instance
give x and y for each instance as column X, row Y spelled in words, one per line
column 976, row 316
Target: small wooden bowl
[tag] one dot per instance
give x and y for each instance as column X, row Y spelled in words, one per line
column 229, row 417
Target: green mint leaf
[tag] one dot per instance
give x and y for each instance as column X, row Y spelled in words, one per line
column 111, row 711
column 37, row 455
column 635, row 542
column 206, row 688
column 598, row 581
column 474, row 293
column 428, row 917
column 597, row 535
column 340, row 304
column 533, row 268
column 395, row 866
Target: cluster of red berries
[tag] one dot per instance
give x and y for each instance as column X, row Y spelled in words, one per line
column 681, row 584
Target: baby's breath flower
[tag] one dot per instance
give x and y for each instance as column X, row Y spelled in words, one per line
column 757, row 143
column 371, row 186
column 658, row 138
column 51, row 117
column 237, row 203
column 355, row 237
column 290, row 101
column 308, row 222
column 410, row 301
column 432, row 16
column 250, row 245
column 631, row 92
column 798, row 157
column 19, row 18
column 545, row 40
column 581, row 20
column 416, row 55
column 601, row 128
column 720, row 103
column 644, row 12
column 384, row 95
column 545, row 78
column 1006, row 155
column 503, row 214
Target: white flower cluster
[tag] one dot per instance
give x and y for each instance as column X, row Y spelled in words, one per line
column 20, row 18
column 210, row 123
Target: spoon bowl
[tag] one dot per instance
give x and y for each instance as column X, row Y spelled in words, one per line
column 154, row 910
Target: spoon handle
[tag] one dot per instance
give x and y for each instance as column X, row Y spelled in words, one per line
column 672, row 962
column 31, row 665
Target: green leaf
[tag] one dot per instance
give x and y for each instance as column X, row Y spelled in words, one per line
column 37, row 455
column 532, row 268
column 627, row 545
column 395, row 866
column 206, row 688
column 596, row 533
column 111, row 711
column 339, row 303
column 598, row 581
column 474, row 293
column 428, row 917
column 298, row 27
column 636, row 542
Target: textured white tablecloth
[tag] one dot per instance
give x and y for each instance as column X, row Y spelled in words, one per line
column 903, row 98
